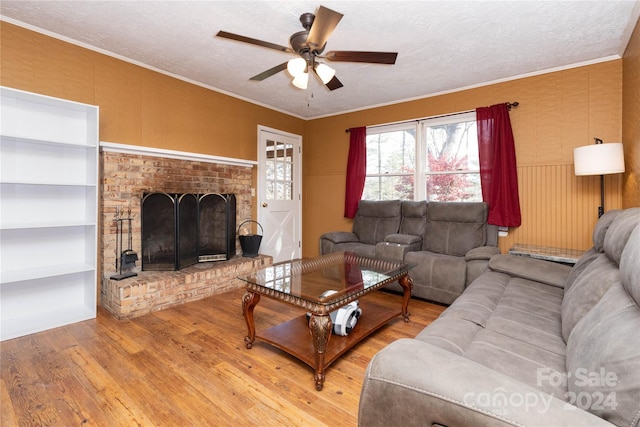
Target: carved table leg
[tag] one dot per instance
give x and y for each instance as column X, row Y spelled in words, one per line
column 320, row 327
column 249, row 301
column 407, row 285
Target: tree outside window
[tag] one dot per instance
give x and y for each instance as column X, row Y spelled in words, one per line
column 452, row 165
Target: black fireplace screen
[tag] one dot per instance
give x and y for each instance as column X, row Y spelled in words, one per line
column 179, row 230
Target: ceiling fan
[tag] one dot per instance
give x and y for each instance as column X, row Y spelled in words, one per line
column 309, row 45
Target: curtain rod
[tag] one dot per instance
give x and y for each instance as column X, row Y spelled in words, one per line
column 510, row 105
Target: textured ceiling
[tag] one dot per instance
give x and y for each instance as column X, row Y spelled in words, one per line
column 442, row 45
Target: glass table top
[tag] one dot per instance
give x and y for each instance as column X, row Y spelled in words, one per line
column 326, row 279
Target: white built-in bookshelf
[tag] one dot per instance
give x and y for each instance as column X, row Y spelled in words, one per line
column 48, row 212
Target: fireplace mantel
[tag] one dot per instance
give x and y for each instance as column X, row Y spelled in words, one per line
column 173, row 154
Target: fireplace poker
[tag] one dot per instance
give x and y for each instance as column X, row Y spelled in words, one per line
column 127, row 258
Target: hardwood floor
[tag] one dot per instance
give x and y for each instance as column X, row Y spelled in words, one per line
column 186, row 366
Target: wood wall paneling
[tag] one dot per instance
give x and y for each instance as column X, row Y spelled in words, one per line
column 557, row 207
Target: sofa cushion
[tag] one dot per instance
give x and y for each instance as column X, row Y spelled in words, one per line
column 630, row 266
column 501, row 352
column 376, row 219
column 618, row 233
column 414, row 217
column 583, row 262
column 519, row 360
column 601, row 228
column 529, row 311
column 594, row 280
column 481, row 299
column 586, row 291
column 603, row 359
column 455, row 228
column 509, row 324
column 589, row 256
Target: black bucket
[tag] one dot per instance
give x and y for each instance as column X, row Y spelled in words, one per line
column 250, row 243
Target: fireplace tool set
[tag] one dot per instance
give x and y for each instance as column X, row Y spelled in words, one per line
column 125, row 259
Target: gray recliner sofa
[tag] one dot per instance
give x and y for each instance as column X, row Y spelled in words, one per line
column 450, row 244
column 528, row 343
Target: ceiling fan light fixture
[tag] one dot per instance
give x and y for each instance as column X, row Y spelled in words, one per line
column 309, row 45
column 325, row 72
column 301, row 80
column 297, row 66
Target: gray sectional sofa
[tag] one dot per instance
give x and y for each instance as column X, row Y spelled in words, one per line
column 450, row 244
column 528, row 343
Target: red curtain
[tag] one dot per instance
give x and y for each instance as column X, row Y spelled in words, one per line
column 356, row 170
column 498, row 173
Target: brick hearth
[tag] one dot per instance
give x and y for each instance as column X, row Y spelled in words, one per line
column 157, row 290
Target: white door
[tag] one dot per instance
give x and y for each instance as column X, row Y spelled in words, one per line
column 280, row 193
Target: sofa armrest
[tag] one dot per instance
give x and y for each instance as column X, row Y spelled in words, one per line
column 396, row 246
column 403, row 239
column 477, row 260
column 340, row 237
column 328, row 241
column 411, row 382
column 481, row 253
column 547, row 272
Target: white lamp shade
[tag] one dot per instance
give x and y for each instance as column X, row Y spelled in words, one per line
column 325, row 73
column 297, row 66
column 301, row 80
column 599, row 159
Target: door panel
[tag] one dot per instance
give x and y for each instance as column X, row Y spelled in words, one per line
column 279, row 193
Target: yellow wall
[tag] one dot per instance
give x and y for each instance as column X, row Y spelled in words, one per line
column 631, row 121
column 137, row 106
column 558, row 111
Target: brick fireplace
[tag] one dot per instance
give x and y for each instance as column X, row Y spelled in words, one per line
column 127, row 173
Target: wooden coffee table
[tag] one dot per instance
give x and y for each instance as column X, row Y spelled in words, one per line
column 304, row 284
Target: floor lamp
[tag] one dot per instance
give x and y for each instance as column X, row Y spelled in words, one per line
column 599, row 159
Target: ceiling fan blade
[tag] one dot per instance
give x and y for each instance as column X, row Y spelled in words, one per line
column 270, row 72
column 257, row 42
column 334, row 84
column 323, row 25
column 356, row 56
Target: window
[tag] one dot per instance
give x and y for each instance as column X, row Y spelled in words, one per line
column 452, row 168
column 391, row 153
column 441, row 154
column 279, row 169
